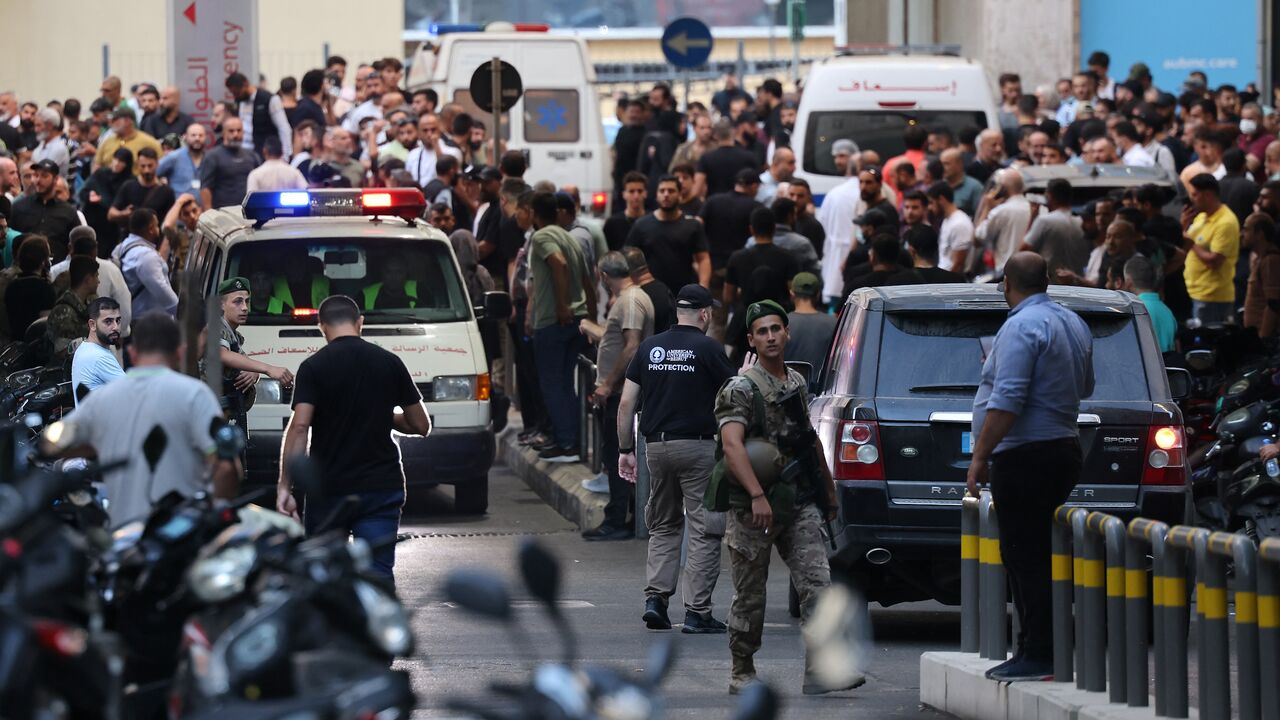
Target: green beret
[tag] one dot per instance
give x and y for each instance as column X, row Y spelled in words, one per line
column 233, row 284
column 763, row 308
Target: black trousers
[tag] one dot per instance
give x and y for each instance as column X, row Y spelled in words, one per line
column 622, row 494
column 533, row 413
column 1028, row 483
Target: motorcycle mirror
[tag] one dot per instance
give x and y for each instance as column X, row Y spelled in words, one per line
column 759, row 702
column 480, row 592
column 541, row 573
column 662, row 656
column 153, row 446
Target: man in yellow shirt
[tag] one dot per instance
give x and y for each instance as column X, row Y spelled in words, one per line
column 124, row 134
column 1212, row 242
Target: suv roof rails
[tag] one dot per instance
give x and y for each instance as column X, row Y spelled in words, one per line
column 864, row 49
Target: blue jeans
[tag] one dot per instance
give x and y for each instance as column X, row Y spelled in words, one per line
column 555, row 351
column 1212, row 313
column 377, row 520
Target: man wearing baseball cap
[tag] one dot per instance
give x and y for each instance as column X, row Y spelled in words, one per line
column 811, row 329
column 42, row 212
column 125, row 134
column 675, row 376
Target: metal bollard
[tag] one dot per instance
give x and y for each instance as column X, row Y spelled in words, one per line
column 1077, row 592
column 1269, row 623
column 1063, row 628
column 994, row 590
column 1094, row 606
column 1144, row 533
column 1109, row 531
column 1221, row 547
column 1180, row 544
column 970, row 574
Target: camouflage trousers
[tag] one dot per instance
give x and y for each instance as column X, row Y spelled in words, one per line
column 801, row 547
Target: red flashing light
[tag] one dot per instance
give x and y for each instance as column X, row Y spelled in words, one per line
column 376, row 200
column 532, row 27
column 305, row 312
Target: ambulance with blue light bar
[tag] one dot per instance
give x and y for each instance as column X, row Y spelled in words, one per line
column 298, row 247
column 556, row 122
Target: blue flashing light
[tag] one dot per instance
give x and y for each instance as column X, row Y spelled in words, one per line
column 294, row 199
column 446, row 28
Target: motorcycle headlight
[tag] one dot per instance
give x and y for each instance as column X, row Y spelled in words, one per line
column 453, row 387
column 269, row 391
column 385, row 619
column 46, row 394
column 1237, row 388
column 222, row 575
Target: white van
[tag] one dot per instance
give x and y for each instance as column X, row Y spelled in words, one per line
column 872, row 99
column 557, row 121
column 297, row 248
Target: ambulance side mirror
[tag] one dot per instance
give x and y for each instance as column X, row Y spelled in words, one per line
column 496, row 306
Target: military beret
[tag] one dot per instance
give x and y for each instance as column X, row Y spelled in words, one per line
column 763, row 308
column 233, row 284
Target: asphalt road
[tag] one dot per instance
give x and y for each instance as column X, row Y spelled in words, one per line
column 458, row 654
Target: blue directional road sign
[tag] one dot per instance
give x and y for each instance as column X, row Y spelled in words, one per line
column 687, row 42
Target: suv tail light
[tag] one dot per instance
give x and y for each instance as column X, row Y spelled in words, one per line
column 858, row 452
column 1166, row 456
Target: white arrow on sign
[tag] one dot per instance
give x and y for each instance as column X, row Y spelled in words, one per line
column 681, row 43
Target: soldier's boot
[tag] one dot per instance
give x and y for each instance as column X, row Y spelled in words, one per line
column 814, row 686
column 742, row 674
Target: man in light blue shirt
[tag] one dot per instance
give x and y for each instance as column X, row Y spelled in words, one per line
column 1140, row 279
column 181, row 168
column 145, row 272
column 1024, row 424
column 94, row 364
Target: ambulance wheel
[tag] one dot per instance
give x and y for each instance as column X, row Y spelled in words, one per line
column 471, row 497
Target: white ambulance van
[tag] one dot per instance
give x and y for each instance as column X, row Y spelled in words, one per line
column 871, row 99
column 297, row 248
column 556, row 122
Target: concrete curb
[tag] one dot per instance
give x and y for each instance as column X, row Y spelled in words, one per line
column 954, row 683
column 559, row 484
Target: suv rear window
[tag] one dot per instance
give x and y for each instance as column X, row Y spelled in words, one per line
column 879, row 130
column 912, row 344
column 289, row 274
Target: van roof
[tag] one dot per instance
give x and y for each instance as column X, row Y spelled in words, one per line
column 985, row 297
column 230, row 225
column 946, row 61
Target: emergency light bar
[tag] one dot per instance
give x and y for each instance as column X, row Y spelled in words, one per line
column 496, row 26
column 405, row 203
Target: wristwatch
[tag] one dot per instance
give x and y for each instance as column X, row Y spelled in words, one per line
column 626, row 451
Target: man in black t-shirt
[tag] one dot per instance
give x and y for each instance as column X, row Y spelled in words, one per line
column 727, row 217
column 634, row 193
column 664, row 303
column 673, row 244
column 760, row 272
column 718, row 168
column 884, row 266
column 345, row 396
column 143, row 191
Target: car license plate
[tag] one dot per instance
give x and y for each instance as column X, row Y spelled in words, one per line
column 966, row 443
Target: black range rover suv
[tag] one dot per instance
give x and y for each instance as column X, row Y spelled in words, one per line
column 893, row 407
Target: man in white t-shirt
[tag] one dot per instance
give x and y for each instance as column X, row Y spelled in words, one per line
column 94, row 364
column 1003, row 218
column 160, row 421
column 955, row 234
column 1129, row 141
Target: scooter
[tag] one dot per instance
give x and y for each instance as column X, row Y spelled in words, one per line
column 1251, row 493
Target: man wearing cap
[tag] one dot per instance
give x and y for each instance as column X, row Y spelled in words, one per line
column 675, row 376
column 773, row 494
column 124, row 134
column 239, row 371
column 42, row 212
column 811, row 329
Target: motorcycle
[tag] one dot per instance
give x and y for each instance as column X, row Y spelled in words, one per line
column 1231, row 489
column 1251, row 493
column 286, row 618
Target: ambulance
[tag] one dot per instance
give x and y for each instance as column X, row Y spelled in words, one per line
column 557, row 120
column 298, row 247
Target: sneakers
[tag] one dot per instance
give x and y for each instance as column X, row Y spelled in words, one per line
column 609, row 532
column 695, row 624
column 1024, row 670
column 532, row 437
column 1017, row 658
column 558, row 455
column 655, row 614
column 597, row 484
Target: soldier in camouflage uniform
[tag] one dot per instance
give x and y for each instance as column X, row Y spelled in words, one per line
column 69, row 318
column 771, row 502
column 240, row 372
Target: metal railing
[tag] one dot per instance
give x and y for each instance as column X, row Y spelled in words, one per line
column 590, row 418
column 1102, row 607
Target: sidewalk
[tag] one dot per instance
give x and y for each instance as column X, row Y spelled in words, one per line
column 558, row 484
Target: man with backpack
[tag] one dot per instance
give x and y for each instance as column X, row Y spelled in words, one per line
column 144, row 270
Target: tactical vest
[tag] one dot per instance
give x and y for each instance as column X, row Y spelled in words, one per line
column 371, row 294
column 263, row 126
column 282, row 296
column 724, row 493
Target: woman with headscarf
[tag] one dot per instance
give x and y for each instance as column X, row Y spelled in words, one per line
column 478, row 281
column 97, row 195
